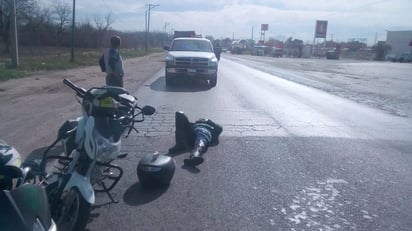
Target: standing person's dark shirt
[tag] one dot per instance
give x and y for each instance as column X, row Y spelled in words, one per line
column 114, row 64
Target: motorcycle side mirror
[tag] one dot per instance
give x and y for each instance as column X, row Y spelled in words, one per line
column 148, row 110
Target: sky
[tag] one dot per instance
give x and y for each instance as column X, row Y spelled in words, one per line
column 366, row 20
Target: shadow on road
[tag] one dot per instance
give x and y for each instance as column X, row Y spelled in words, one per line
column 138, row 195
column 37, row 154
column 180, row 86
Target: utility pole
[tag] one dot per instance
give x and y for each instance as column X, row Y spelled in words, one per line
column 147, row 13
column 73, row 27
column 165, row 26
column 165, row 31
column 14, row 44
column 376, row 37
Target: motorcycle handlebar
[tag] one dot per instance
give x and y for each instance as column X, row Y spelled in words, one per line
column 79, row 91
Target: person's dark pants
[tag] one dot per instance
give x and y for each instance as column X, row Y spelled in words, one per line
column 115, row 81
column 184, row 135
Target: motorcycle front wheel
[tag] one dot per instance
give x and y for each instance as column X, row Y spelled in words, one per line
column 72, row 212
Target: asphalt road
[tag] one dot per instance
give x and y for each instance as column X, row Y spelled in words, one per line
column 383, row 85
column 291, row 157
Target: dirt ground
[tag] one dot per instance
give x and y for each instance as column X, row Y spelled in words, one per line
column 36, row 106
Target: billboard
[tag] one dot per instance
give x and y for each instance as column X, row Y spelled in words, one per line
column 321, row 28
column 264, row 27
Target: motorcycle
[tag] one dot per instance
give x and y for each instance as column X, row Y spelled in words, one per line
column 24, row 204
column 90, row 144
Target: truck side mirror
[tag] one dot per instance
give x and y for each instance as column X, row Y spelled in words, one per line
column 166, row 48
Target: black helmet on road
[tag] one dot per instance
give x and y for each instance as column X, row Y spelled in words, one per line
column 155, row 169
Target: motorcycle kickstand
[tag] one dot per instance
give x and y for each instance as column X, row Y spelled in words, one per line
column 109, row 194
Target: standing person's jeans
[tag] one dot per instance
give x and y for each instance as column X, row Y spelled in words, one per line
column 112, row 80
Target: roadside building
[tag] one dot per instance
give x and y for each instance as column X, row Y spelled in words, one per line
column 399, row 42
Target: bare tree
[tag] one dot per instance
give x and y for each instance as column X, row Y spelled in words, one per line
column 62, row 20
column 37, row 28
column 47, row 16
column 24, row 10
column 103, row 26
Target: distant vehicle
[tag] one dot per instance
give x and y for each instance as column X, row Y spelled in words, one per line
column 191, row 58
column 276, row 52
column 390, row 57
column 332, row 54
column 238, row 46
column 182, row 34
column 260, row 50
column 403, row 58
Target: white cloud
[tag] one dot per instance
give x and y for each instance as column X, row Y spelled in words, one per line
column 287, row 18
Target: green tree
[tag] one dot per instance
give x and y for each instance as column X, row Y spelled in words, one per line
column 381, row 50
column 209, row 37
column 272, row 42
column 355, row 45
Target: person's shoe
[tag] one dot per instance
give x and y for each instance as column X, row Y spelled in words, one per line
column 195, row 157
column 193, row 161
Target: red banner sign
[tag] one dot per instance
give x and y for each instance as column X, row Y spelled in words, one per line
column 321, row 28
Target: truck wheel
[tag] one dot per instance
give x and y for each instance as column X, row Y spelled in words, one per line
column 168, row 80
column 213, row 81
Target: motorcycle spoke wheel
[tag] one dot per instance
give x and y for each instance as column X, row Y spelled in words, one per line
column 69, row 211
column 74, row 212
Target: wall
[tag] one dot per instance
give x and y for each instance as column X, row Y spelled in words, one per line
column 399, row 41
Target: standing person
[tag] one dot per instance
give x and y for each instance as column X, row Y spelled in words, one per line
column 114, row 63
column 218, row 50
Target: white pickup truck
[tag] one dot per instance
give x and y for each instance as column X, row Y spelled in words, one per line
column 191, row 58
